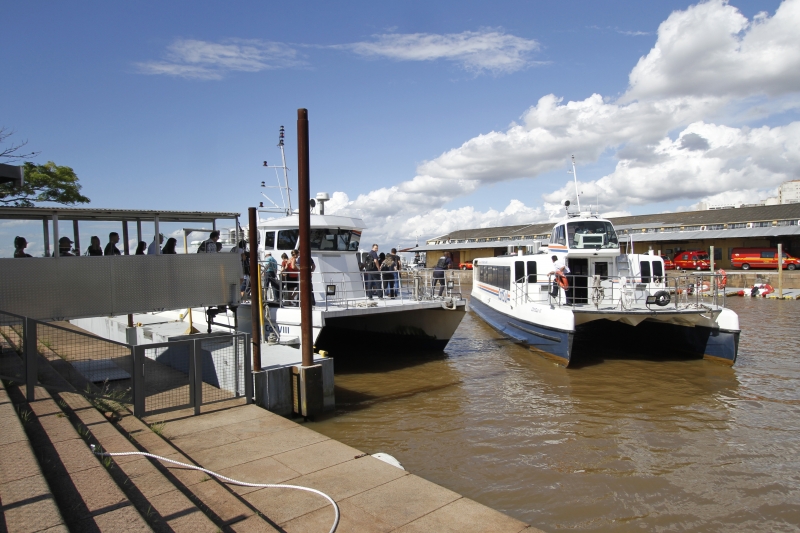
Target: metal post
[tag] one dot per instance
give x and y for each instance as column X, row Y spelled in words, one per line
column 137, row 353
column 126, row 247
column 46, row 232
column 303, row 197
column 713, row 277
column 76, row 237
column 157, row 234
column 248, row 372
column 30, row 349
column 138, row 232
column 55, row 234
column 780, row 270
column 195, row 376
column 255, row 313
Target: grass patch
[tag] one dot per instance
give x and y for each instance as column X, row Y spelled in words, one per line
column 158, row 428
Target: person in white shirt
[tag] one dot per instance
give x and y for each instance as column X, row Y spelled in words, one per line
column 559, row 266
column 211, row 243
column 154, row 248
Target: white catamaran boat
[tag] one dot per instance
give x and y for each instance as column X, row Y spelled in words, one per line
column 608, row 296
column 350, row 307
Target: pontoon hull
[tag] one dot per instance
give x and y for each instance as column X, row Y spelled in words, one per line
column 650, row 337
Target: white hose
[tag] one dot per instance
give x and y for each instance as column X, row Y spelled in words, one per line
column 227, row 479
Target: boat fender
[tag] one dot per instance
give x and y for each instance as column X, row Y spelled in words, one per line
column 562, row 281
column 704, row 287
column 662, row 298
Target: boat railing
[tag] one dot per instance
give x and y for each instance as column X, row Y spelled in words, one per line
column 693, row 290
column 346, row 290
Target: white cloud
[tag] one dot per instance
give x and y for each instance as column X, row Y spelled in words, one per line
column 203, row 60
column 706, row 161
column 712, row 49
column 490, row 50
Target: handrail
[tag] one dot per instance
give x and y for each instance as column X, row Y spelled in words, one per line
column 347, row 289
column 610, row 292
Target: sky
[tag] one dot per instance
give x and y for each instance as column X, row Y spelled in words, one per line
column 424, row 117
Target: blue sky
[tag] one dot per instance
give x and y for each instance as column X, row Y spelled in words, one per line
column 424, row 117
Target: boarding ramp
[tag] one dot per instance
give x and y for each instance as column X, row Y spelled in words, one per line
column 66, row 288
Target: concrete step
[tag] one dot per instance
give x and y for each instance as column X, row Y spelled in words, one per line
column 26, row 501
column 171, row 498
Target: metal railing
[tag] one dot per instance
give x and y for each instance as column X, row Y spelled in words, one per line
column 675, row 292
column 359, row 288
column 152, row 377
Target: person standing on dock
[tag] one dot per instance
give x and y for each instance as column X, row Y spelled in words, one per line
column 153, row 248
column 19, row 247
column 111, row 247
column 64, row 247
column 94, row 249
column 211, row 243
column 445, row 263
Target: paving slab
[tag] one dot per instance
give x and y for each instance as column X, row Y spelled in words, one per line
column 404, row 500
column 317, row 456
column 125, row 519
column 28, row 505
column 264, row 470
column 181, row 514
column 352, row 519
column 254, row 524
column 466, row 516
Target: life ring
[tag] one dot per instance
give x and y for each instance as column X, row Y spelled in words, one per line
column 662, row 298
column 562, row 280
column 766, row 289
column 723, row 281
column 704, row 287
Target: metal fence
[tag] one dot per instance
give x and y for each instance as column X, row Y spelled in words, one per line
column 182, row 373
column 191, row 372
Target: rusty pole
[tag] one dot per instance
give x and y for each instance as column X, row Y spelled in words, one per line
column 255, row 312
column 305, row 247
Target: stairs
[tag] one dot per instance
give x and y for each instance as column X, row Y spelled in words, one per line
column 51, row 481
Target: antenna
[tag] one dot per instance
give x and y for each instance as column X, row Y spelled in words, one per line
column 575, row 177
column 287, row 202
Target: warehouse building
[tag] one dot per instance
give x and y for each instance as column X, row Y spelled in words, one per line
column 665, row 234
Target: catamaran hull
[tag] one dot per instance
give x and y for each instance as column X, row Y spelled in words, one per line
column 426, row 329
column 665, row 339
column 551, row 342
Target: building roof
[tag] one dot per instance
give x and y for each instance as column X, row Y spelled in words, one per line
column 90, row 213
column 680, row 226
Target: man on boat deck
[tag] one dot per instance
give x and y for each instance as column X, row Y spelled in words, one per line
column 560, row 269
column 211, row 243
column 154, row 248
column 372, row 264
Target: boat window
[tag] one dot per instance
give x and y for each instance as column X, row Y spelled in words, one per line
column 558, row 236
column 334, row 239
column 591, row 234
column 287, row 239
column 644, row 268
column 506, row 277
column 269, row 240
column 519, row 271
column 532, row 272
column 658, row 271
column 601, row 269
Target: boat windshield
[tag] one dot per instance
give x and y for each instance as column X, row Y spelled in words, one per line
column 591, row 234
column 335, row 239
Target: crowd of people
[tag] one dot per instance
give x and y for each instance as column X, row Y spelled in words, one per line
column 382, row 274
column 95, row 249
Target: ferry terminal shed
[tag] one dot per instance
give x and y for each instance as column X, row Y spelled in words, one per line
column 664, row 233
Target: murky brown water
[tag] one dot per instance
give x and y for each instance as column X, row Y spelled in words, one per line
column 615, row 445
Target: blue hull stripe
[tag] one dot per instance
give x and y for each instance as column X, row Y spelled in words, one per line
column 550, row 341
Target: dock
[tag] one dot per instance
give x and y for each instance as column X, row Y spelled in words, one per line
column 51, row 481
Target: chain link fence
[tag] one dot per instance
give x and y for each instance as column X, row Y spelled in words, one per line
column 159, row 377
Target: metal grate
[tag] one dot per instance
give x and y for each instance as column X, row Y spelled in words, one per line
column 85, row 360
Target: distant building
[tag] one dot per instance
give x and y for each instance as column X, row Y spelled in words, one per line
column 665, row 233
column 790, row 192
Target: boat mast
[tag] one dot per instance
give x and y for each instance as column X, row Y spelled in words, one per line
column 287, row 202
column 575, row 177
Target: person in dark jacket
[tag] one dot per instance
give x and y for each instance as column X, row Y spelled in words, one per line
column 445, row 263
column 94, row 249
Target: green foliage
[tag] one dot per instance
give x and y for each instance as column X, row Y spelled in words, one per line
column 44, row 183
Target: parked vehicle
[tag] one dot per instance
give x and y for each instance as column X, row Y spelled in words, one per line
column 465, row 266
column 668, row 264
column 692, row 260
column 747, row 258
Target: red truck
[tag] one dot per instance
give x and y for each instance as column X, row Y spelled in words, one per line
column 692, row 260
column 747, row 258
